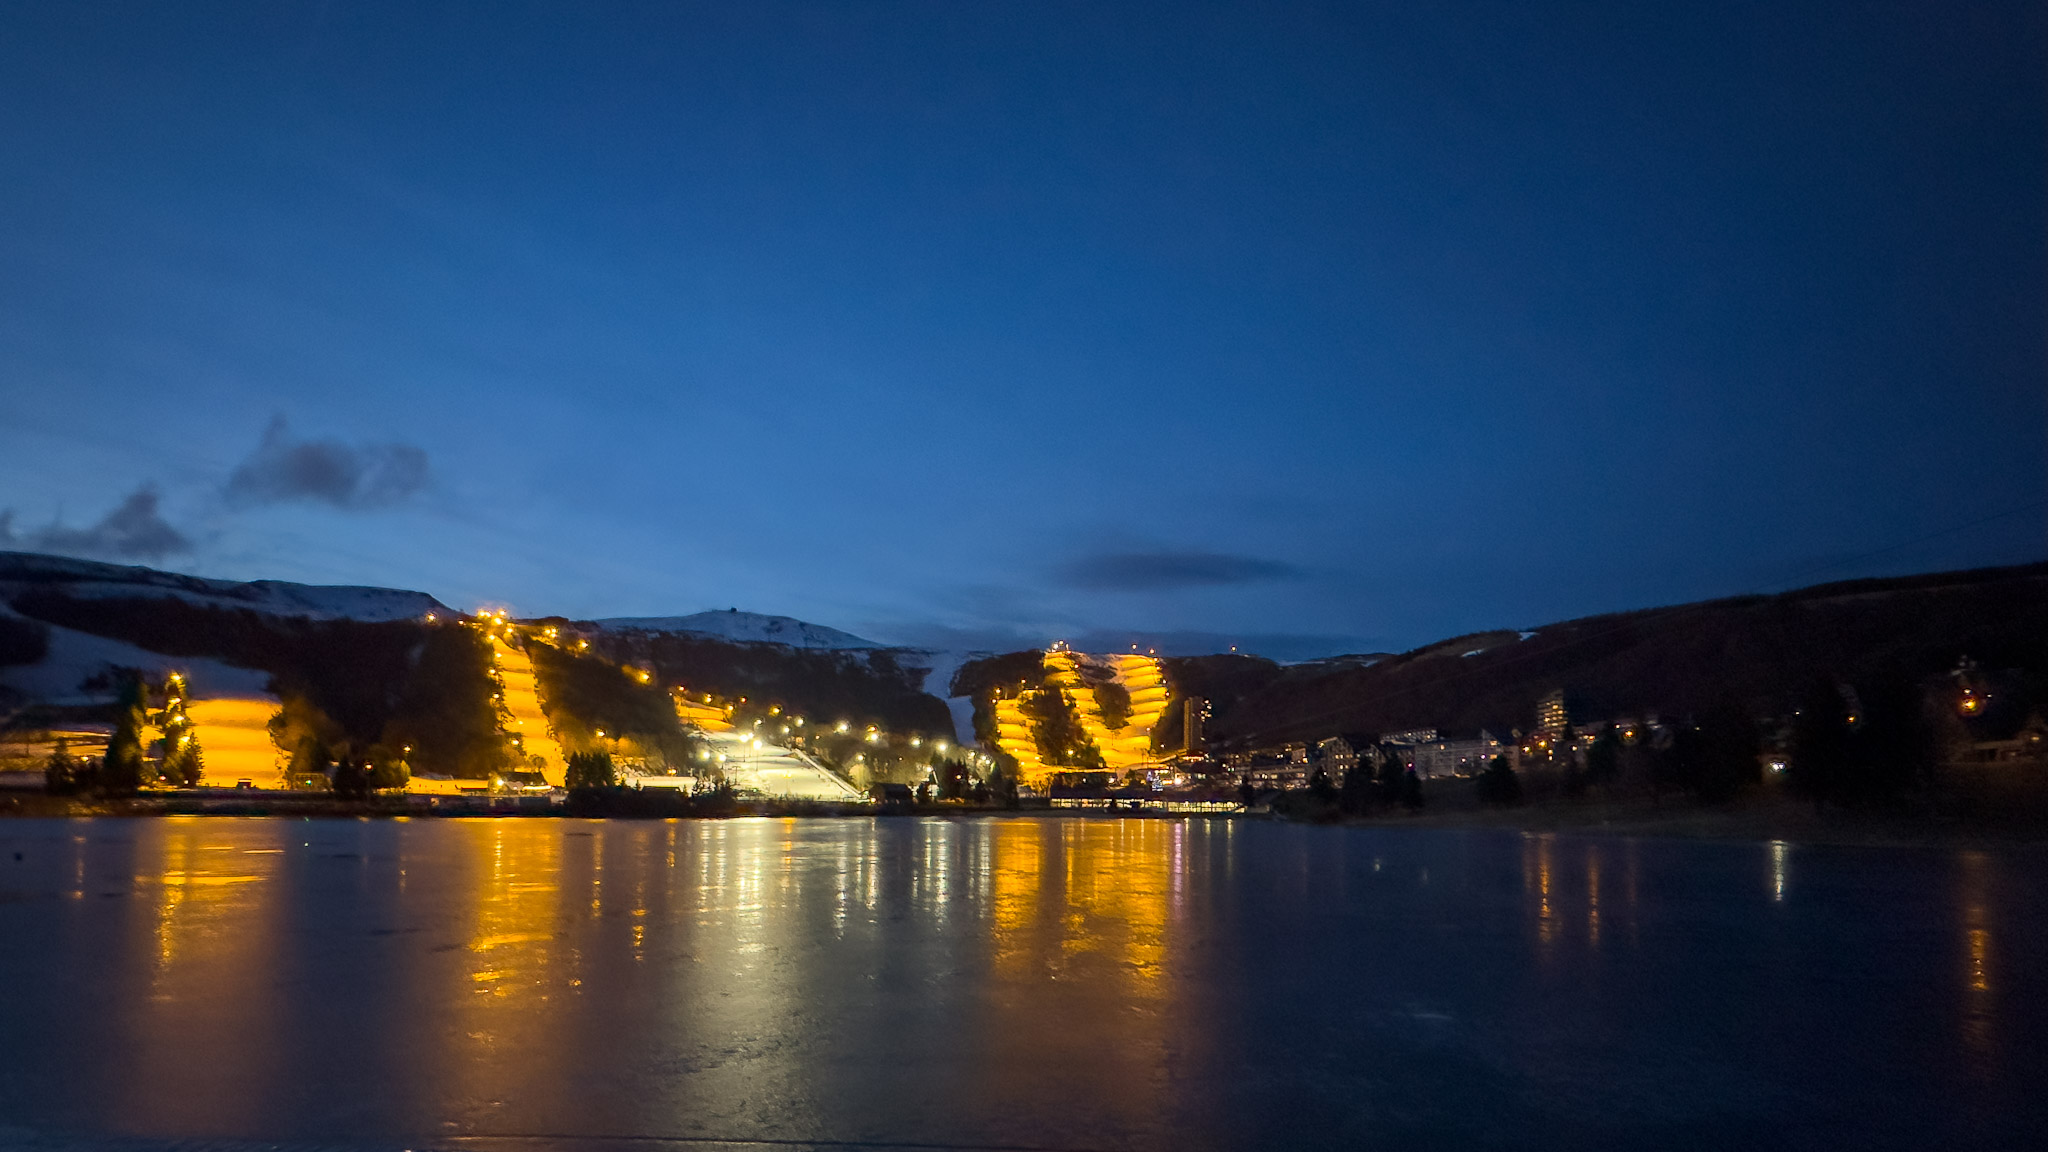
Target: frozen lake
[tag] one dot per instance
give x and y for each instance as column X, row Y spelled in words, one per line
column 1030, row 983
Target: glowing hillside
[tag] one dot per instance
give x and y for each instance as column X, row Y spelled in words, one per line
column 521, row 701
column 1145, row 679
column 1013, row 735
column 234, row 741
column 1127, row 745
column 1123, row 746
column 701, row 714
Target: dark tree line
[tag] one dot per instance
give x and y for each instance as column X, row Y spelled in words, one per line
column 1380, row 780
column 1873, row 749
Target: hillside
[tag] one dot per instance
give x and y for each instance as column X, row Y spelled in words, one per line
column 741, row 627
column 359, row 667
column 1758, row 651
column 376, row 670
column 866, row 685
column 387, row 667
column 23, row 572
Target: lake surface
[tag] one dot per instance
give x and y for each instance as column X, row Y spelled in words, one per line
column 1037, row 983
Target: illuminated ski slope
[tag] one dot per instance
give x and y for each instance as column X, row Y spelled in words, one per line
column 521, row 702
column 705, row 716
column 1123, row 747
column 754, row 765
column 1129, row 744
column 1013, row 735
column 234, row 741
column 1145, row 679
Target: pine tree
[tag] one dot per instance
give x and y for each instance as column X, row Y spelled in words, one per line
column 1603, row 759
column 590, row 770
column 60, row 774
column 1354, row 795
column 1002, row 786
column 1392, row 764
column 1499, row 784
column 1319, row 786
column 182, row 763
column 312, row 764
column 121, row 771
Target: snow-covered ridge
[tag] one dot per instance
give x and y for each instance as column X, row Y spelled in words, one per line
column 744, row 627
column 76, row 658
column 86, row 579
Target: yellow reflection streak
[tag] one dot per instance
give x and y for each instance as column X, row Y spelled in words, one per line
column 1536, row 878
column 209, row 966
column 1108, row 893
column 1080, row 921
column 1979, row 959
column 1013, row 890
column 515, row 909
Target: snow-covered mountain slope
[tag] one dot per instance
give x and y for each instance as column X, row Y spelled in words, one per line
column 940, row 668
column 745, row 627
column 22, row 572
column 74, row 671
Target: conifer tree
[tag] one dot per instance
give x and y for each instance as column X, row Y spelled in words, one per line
column 590, row 770
column 1411, row 789
column 182, row 763
column 1603, row 759
column 60, row 773
column 1499, row 784
column 121, row 772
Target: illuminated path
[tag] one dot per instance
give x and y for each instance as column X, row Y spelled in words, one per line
column 522, row 702
column 782, row 772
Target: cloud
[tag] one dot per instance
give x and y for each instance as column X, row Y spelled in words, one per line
column 1165, row 571
column 134, row 530
column 284, row 470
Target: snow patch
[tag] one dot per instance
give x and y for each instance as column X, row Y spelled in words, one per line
column 743, row 627
column 940, row 668
column 76, row 657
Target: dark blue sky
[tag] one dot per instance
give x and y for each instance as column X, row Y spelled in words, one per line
column 1314, row 327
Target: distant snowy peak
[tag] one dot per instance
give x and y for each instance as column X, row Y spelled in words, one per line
column 90, row 580
column 744, row 627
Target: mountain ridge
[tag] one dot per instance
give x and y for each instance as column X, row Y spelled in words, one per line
column 745, row 628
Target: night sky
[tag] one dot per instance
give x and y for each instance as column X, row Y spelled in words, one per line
column 1312, row 328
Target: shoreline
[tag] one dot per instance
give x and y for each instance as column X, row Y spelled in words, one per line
column 1756, row 821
